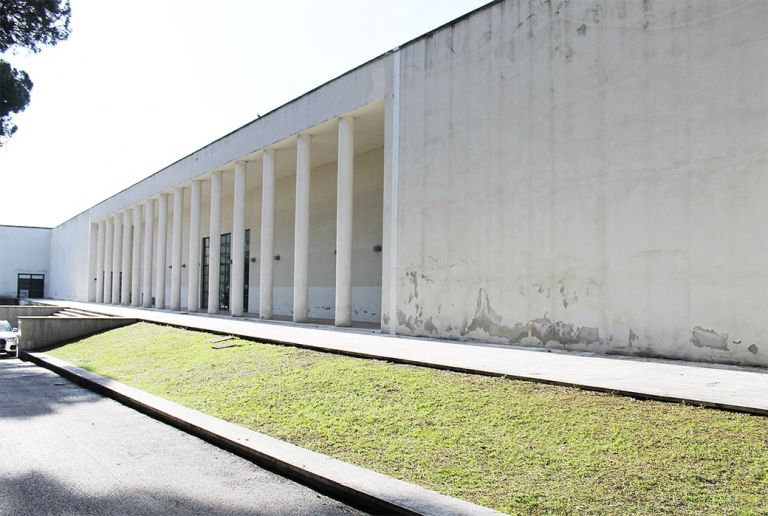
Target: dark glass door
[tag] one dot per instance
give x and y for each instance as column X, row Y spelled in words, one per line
column 206, row 262
column 225, row 266
column 30, row 286
column 246, row 268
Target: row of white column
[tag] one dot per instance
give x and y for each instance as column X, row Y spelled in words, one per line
column 118, row 244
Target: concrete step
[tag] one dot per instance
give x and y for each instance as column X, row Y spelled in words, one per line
column 65, row 313
column 81, row 313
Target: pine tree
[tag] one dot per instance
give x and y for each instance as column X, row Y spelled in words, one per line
column 25, row 25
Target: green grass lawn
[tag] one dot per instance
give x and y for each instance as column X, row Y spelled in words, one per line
column 519, row 447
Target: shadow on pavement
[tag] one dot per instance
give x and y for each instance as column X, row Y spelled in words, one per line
column 38, row 493
column 27, row 390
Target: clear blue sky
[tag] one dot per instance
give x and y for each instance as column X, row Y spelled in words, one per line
column 141, row 84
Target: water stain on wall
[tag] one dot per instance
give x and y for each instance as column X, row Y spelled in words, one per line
column 535, row 332
column 633, row 337
column 704, row 338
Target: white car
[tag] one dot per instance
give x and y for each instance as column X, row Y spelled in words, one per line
column 9, row 339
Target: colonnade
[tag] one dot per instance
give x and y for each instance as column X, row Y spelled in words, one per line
column 123, row 274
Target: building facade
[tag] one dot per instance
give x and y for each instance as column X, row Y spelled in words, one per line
column 580, row 175
column 25, row 255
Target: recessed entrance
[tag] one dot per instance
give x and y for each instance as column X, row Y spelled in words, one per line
column 30, row 286
column 224, row 270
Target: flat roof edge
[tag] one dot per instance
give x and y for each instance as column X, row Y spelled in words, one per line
column 28, row 227
column 296, row 99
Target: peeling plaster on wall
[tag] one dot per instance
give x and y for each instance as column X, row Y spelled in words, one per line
column 633, row 337
column 703, row 338
column 416, row 323
column 429, row 326
column 414, row 281
column 541, row 331
column 628, row 258
column 488, row 325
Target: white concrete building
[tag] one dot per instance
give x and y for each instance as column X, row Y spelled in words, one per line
column 25, row 255
column 584, row 175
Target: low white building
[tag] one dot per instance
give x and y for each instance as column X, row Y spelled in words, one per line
column 25, row 255
column 584, row 175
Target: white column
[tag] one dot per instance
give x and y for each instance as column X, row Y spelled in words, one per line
column 149, row 237
column 100, row 247
column 344, row 222
column 391, row 200
column 162, row 248
column 136, row 259
column 93, row 253
column 193, row 292
column 178, row 214
column 108, row 249
column 267, row 234
column 238, row 243
column 214, row 247
column 301, row 235
column 125, row 287
column 116, row 259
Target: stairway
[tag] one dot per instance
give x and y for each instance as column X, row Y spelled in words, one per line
column 76, row 313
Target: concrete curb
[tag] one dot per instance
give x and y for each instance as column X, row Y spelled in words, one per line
column 362, row 487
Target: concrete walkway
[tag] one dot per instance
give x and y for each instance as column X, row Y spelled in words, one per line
column 742, row 389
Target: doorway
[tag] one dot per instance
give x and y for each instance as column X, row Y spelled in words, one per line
column 225, row 266
column 30, row 286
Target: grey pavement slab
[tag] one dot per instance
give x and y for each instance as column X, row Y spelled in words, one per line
column 730, row 387
column 67, row 450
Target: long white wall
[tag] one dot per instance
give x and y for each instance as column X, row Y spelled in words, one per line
column 23, row 250
column 590, row 176
column 584, row 175
column 69, row 259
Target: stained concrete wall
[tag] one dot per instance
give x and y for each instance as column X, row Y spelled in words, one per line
column 41, row 332
column 589, row 175
column 12, row 313
column 23, row 250
column 584, row 175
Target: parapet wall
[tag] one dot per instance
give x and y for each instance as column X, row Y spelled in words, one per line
column 41, row 332
column 11, row 313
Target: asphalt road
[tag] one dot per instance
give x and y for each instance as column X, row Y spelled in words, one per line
column 66, row 450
